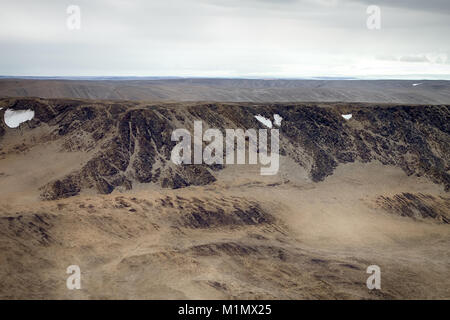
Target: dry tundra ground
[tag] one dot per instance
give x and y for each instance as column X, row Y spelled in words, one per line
column 270, row 237
column 349, row 194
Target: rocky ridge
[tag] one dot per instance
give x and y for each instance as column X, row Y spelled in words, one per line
column 130, row 142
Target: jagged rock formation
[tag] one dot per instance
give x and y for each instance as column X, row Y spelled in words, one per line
column 310, row 232
column 130, row 142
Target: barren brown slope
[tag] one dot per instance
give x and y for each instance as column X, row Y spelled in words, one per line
column 349, row 194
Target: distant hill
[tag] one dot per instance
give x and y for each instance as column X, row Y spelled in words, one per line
column 232, row 90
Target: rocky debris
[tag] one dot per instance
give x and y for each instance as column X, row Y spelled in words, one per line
column 2, row 130
column 417, row 206
column 184, row 176
column 61, row 189
column 415, row 138
column 200, row 217
column 130, row 142
column 35, row 226
column 206, row 213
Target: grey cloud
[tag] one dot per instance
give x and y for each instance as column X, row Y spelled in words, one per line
column 436, row 58
column 439, row 6
column 414, row 59
column 216, row 37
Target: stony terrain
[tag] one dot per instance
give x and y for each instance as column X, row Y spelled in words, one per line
column 131, row 142
column 89, row 182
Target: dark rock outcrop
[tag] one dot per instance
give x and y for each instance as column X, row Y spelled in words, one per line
column 130, row 142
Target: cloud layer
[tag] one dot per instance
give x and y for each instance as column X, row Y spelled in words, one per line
column 255, row 38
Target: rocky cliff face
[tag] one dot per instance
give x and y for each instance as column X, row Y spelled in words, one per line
column 130, row 142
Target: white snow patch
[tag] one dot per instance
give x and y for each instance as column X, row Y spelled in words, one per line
column 416, row 84
column 264, row 121
column 13, row 118
column 347, row 116
column 277, row 119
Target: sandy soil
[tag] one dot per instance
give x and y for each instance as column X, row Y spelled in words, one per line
column 281, row 237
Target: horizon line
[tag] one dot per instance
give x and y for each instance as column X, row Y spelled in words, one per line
column 267, row 78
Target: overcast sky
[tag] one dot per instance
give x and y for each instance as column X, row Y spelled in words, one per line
column 226, row 38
